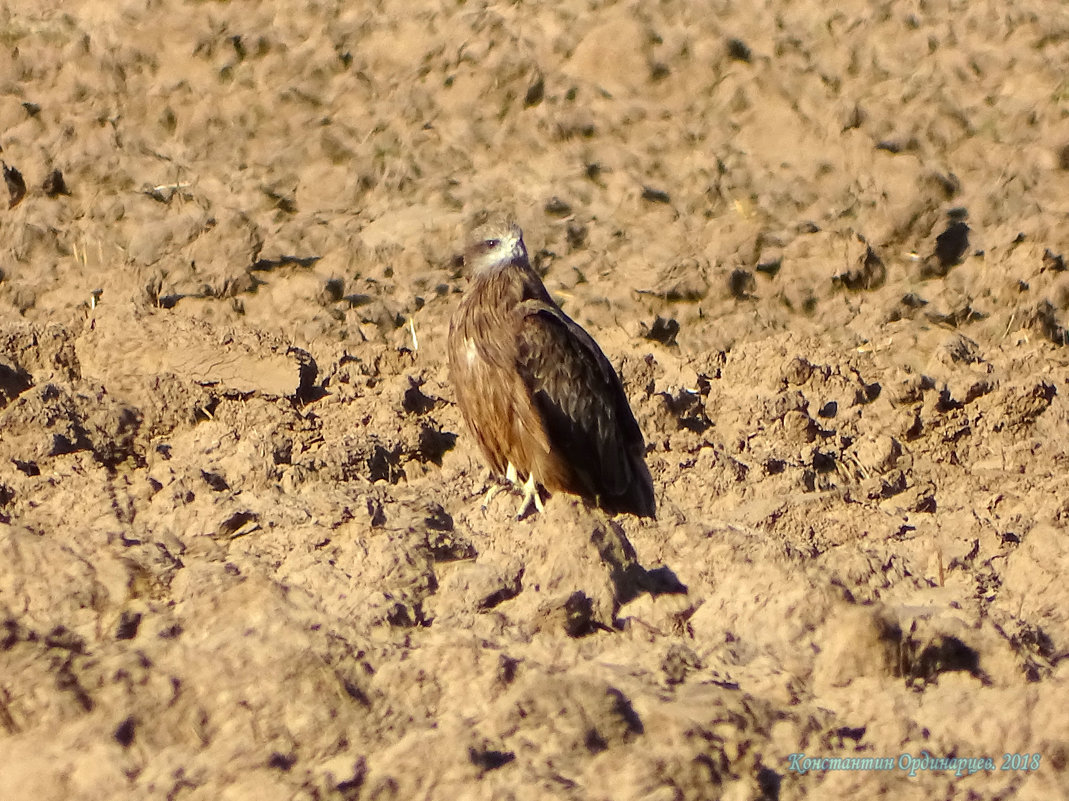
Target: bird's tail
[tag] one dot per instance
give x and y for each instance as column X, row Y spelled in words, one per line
column 637, row 497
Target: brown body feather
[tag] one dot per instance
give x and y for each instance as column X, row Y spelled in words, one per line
column 538, row 393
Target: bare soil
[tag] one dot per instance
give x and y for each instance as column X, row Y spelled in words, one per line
column 242, row 549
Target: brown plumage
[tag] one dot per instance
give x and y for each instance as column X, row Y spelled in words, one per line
column 546, row 407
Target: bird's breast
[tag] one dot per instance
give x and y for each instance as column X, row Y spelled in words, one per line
column 471, row 351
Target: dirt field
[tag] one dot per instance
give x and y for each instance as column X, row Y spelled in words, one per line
column 242, row 552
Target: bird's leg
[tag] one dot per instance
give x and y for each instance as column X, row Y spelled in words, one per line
column 510, row 476
column 490, row 493
column 530, row 493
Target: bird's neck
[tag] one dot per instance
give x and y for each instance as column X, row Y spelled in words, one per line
column 504, row 285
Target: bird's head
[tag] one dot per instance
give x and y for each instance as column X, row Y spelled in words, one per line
column 494, row 246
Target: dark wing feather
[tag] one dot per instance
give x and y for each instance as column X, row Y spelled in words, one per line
column 584, row 410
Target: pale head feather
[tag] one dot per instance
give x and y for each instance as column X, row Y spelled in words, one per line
column 495, row 245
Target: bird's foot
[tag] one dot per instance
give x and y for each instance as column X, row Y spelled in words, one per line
column 510, row 476
column 490, row 493
column 530, row 495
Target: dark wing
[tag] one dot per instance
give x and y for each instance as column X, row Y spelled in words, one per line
column 584, row 410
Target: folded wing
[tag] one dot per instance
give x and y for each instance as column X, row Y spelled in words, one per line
column 596, row 444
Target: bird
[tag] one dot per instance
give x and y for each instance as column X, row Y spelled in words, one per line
column 545, row 406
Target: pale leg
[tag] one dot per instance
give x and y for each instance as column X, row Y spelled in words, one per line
column 529, row 487
column 530, row 493
column 510, row 476
column 490, row 493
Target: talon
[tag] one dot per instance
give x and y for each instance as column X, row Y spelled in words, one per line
column 490, row 493
column 530, row 494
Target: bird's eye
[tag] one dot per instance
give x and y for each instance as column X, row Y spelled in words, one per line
column 490, row 244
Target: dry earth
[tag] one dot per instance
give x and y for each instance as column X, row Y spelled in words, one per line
column 242, row 554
